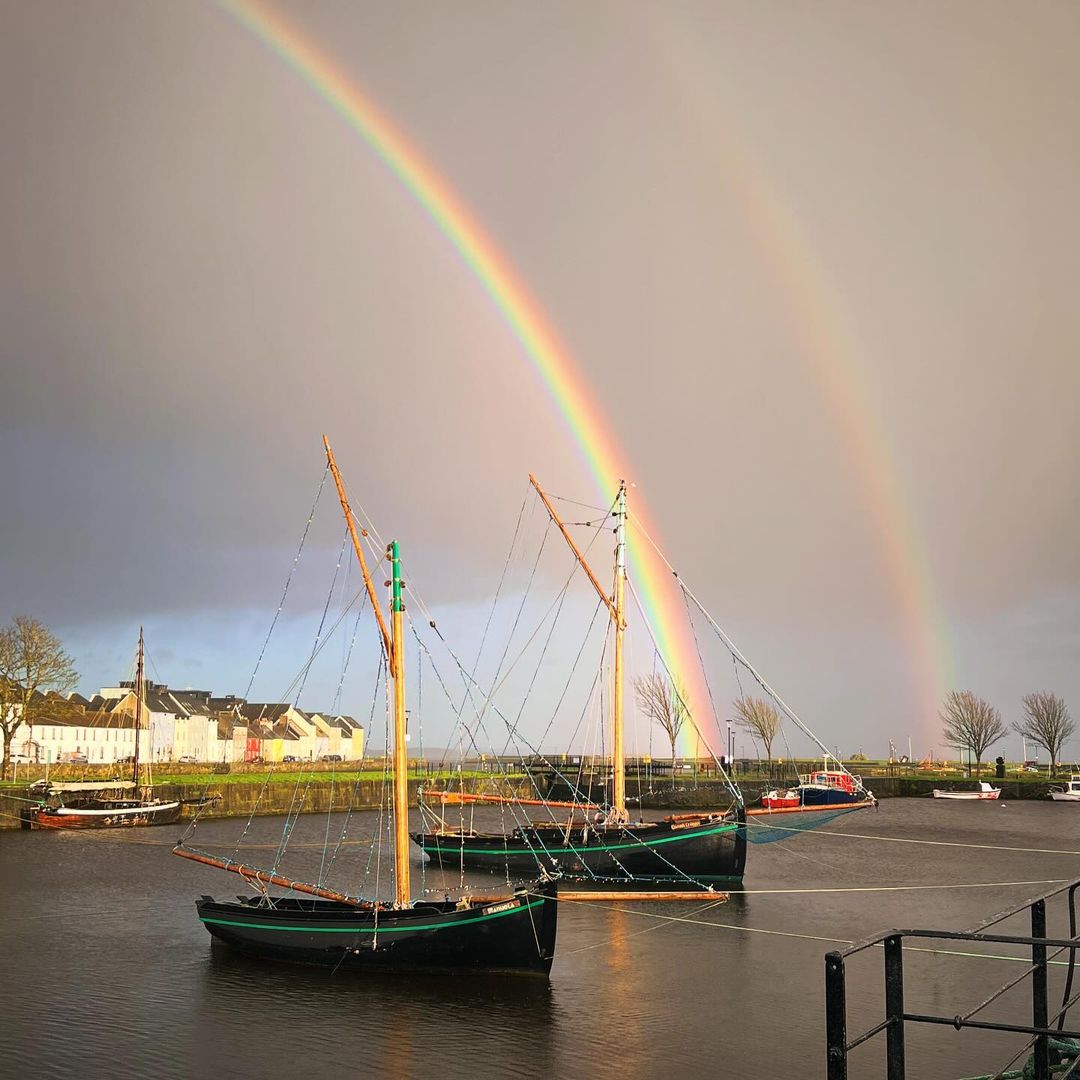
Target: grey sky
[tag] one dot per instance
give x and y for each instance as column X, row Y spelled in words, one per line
column 203, row 269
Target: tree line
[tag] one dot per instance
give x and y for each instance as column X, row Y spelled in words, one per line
column 665, row 702
column 973, row 724
column 968, row 722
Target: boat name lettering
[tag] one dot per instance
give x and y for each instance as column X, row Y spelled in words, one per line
column 502, row 907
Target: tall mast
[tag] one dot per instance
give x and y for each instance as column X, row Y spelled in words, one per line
column 401, row 750
column 618, row 797
column 615, row 605
column 394, row 646
column 350, row 521
column 138, row 708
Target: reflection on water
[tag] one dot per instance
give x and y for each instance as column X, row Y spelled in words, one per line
column 111, row 974
column 397, row 1027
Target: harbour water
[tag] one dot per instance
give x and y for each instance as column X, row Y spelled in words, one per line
column 109, row 973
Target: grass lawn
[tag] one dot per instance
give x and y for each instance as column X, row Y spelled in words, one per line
column 290, row 775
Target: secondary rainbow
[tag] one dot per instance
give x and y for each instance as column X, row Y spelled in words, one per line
column 548, row 355
column 829, row 348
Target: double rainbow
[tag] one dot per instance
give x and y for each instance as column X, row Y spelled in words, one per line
column 560, row 374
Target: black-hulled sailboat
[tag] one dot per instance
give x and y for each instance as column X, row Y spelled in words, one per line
column 514, row 934
column 604, row 849
column 104, row 804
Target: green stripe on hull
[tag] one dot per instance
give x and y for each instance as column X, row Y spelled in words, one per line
column 437, row 850
column 373, row 929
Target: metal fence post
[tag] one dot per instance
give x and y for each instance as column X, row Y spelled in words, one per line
column 835, row 1017
column 894, row 1007
column 1039, row 990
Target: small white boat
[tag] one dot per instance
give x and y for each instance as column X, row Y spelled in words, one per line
column 1069, row 793
column 985, row 792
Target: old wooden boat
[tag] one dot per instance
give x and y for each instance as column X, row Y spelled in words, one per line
column 602, row 846
column 110, row 804
column 512, row 934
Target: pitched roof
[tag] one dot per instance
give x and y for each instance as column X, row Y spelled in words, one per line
column 161, row 701
column 192, row 702
column 344, row 723
column 228, row 703
column 84, row 719
column 268, row 711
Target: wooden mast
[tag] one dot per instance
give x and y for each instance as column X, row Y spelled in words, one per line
column 138, row 712
column 350, row 521
column 615, row 605
column 393, row 645
column 618, row 752
column 401, row 749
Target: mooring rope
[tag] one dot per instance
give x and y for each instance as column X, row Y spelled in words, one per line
column 672, row 919
column 756, row 823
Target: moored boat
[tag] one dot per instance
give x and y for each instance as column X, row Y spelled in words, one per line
column 985, row 791
column 602, row 846
column 676, row 852
column 110, row 804
column 1069, row 793
column 824, row 789
column 107, row 805
column 512, row 934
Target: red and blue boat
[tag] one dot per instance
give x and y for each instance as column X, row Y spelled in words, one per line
column 826, row 789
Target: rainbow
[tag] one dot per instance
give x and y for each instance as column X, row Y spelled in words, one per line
column 553, row 362
column 827, row 345
column 561, row 375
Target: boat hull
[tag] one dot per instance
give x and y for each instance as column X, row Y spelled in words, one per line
column 808, row 798
column 968, row 796
column 678, row 852
column 95, row 815
column 1065, row 796
column 511, row 936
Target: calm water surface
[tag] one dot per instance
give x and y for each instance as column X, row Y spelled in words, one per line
column 109, row 973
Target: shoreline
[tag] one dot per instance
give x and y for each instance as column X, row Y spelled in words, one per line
column 261, row 799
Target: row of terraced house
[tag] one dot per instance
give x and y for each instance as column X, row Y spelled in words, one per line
column 183, row 725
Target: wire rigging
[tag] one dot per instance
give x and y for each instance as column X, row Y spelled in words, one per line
column 288, row 579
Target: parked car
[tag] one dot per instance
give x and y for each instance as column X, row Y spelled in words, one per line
column 72, row 757
column 290, row 757
column 186, row 759
column 331, row 757
column 129, row 760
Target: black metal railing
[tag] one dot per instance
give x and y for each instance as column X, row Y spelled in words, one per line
column 1042, row 1029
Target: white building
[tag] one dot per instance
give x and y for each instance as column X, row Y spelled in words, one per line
column 72, row 734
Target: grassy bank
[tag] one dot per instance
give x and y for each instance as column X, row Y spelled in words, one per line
column 286, row 772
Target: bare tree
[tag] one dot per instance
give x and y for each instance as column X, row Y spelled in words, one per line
column 761, row 718
column 664, row 703
column 1047, row 723
column 32, row 661
column 971, row 723
column 9, row 715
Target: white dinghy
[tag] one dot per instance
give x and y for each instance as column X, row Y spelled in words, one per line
column 986, row 791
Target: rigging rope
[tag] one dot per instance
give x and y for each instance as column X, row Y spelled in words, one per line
column 729, row 782
column 288, row 580
column 322, row 620
column 735, row 651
